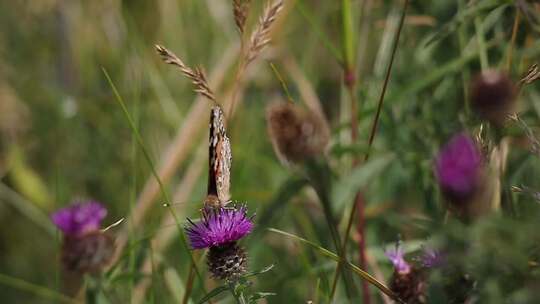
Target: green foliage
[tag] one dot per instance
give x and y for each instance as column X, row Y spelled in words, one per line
column 64, row 135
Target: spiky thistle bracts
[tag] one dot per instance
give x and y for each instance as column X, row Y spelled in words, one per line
column 227, row 262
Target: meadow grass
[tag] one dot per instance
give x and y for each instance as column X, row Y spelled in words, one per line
column 88, row 109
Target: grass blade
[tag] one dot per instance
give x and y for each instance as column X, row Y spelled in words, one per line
column 41, row 291
column 327, row 253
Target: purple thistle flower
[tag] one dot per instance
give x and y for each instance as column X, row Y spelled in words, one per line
column 219, row 227
column 458, row 166
column 79, row 218
column 396, row 257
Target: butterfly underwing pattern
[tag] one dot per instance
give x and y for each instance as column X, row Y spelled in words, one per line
column 220, row 160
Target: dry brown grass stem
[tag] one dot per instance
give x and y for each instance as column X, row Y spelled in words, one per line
column 165, row 236
column 196, row 75
column 261, row 36
column 176, row 152
column 305, row 88
column 240, row 12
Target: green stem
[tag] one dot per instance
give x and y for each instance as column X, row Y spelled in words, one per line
column 319, row 176
column 348, row 34
column 281, row 81
column 238, row 296
column 480, row 40
column 37, row 290
column 465, row 75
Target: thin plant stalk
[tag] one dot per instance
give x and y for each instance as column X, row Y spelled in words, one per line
column 282, row 82
column 379, row 107
column 509, row 52
column 465, row 75
column 163, row 191
column 319, row 176
column 481, row 41
column 349, row 69
column 364, row 275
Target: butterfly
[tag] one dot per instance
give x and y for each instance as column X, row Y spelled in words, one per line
column 220, row 160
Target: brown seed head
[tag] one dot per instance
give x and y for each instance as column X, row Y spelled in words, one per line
column 88, row 253
column 296, row 132
column 492, row 95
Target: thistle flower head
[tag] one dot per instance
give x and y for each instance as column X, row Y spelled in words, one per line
column 218, row 227
column 396, row 256
column 458, row 166
column 79, row 218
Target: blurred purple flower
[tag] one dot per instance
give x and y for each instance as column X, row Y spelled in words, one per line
column 219, row 227
column 79, row 218
column 396, row 257
column 432, row 258
column 458, row 166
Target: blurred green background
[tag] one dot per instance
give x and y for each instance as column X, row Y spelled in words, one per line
column 63, row 136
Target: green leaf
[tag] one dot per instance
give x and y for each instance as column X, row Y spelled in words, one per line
column 260, row 295
column 462, row 15
column 348, row 186
column 216, row 291
column 26, row 180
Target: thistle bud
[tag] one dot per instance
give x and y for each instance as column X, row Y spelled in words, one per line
column 460, row 170
column 296, row 133
column 88, row 253
column 458, row 167
column 407, row 282
column 492, row 96
column 85, row 248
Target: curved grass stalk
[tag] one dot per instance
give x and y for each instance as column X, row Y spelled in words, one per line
column 364, row 275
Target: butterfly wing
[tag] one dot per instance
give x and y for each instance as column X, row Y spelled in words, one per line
column 220, row 160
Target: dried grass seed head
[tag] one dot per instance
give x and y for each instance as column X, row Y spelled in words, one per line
column 261, row 35
column 197, row 76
